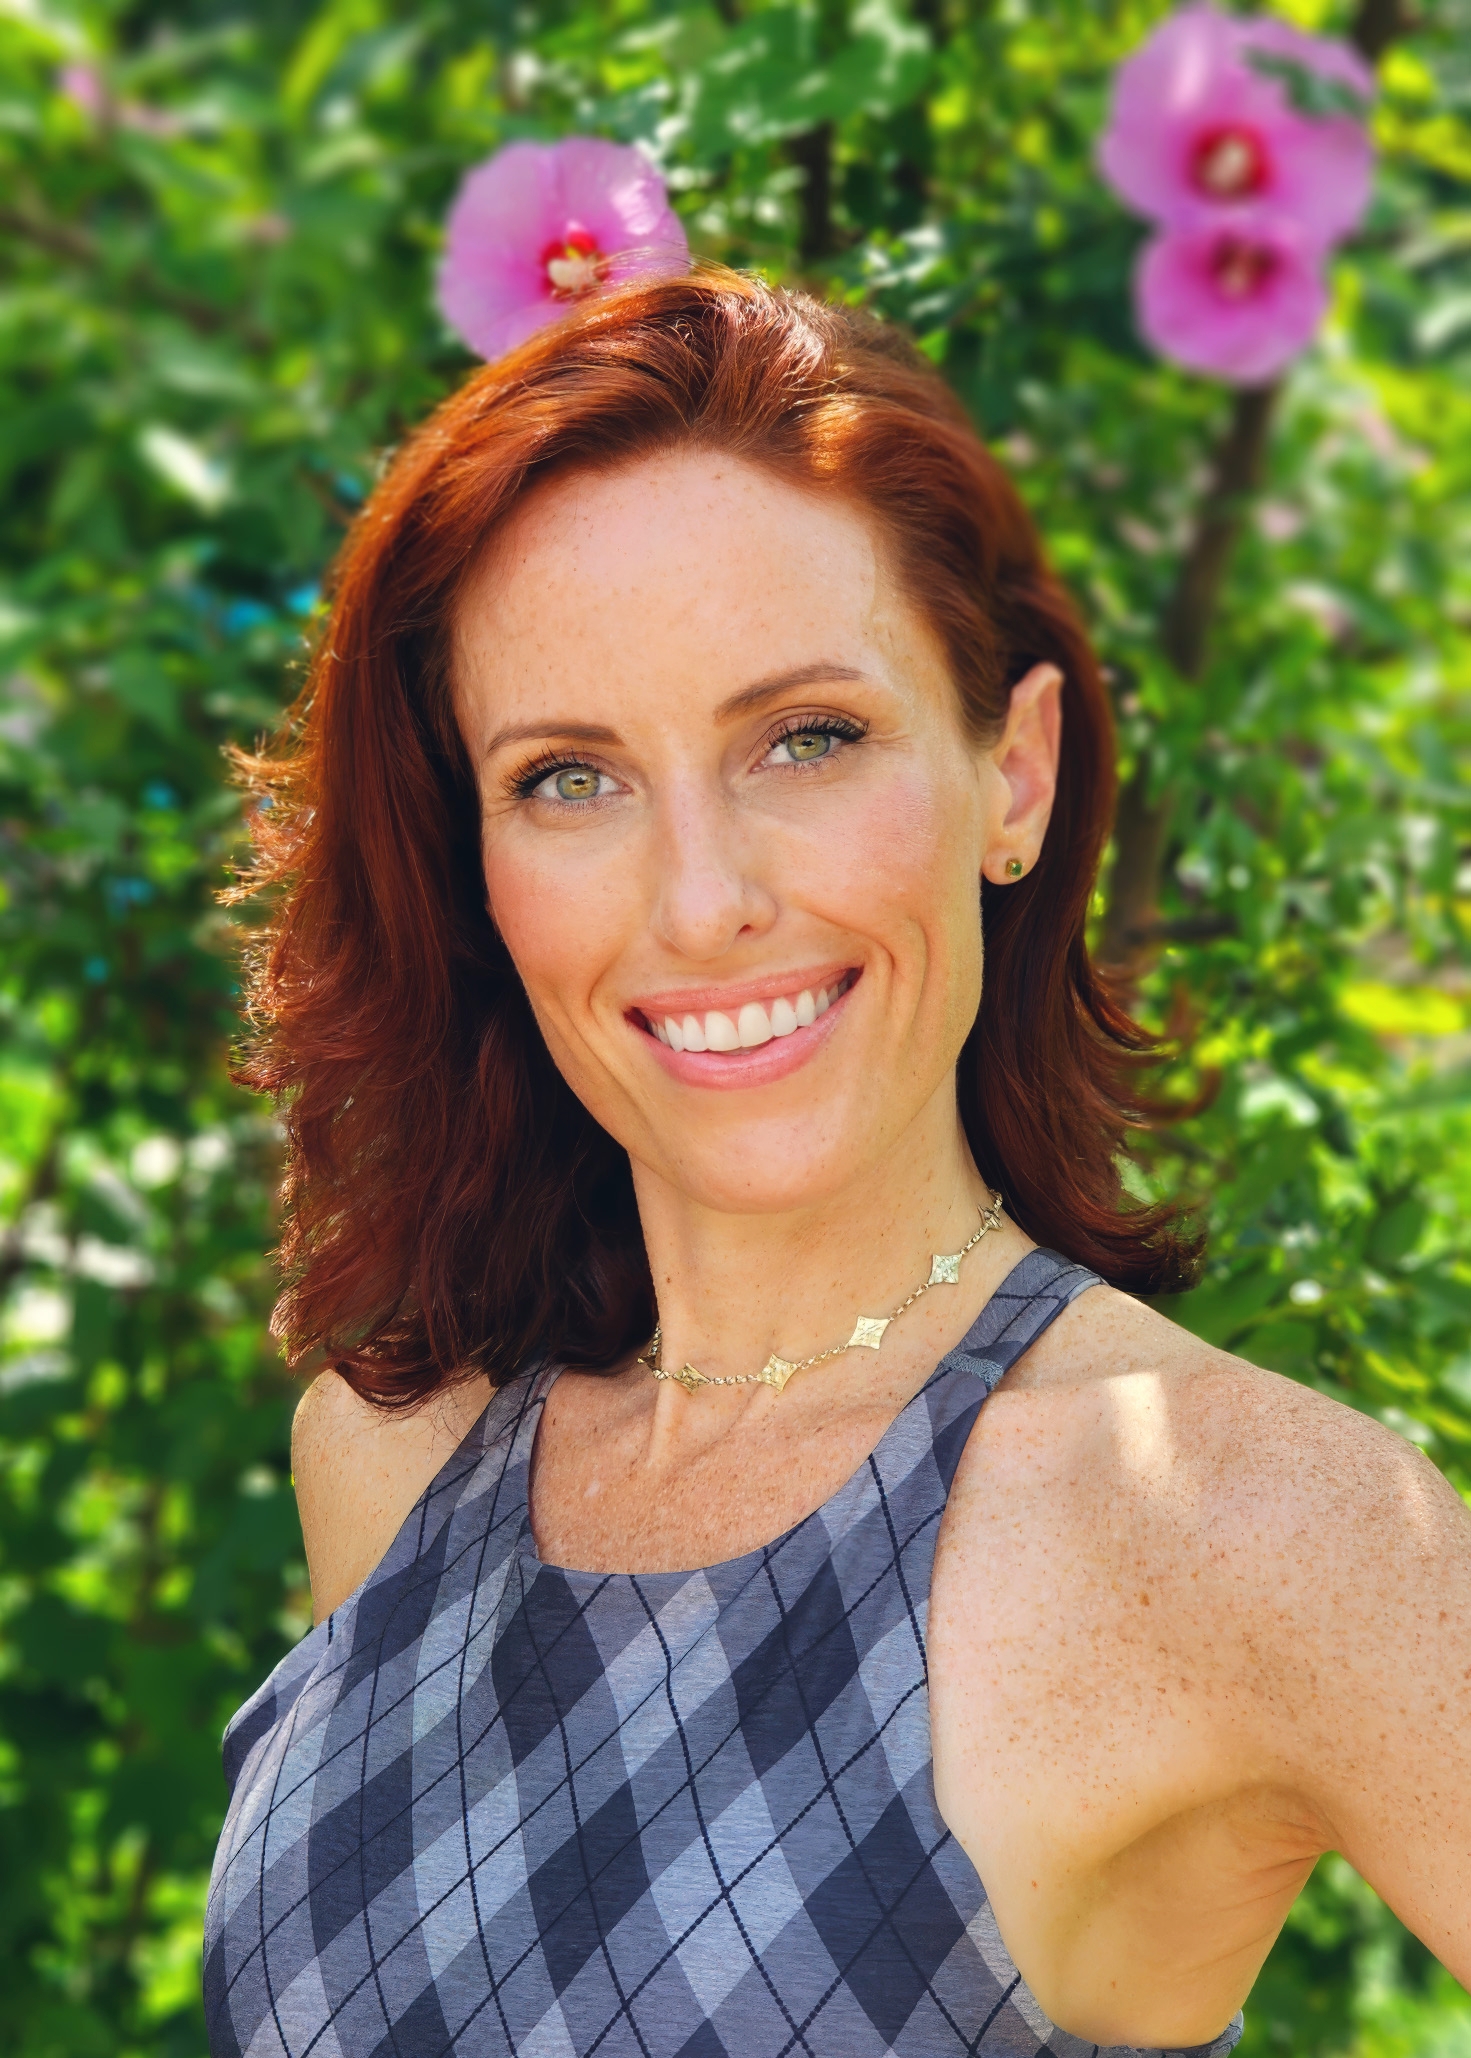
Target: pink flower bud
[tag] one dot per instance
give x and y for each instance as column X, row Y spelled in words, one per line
column 82, row 85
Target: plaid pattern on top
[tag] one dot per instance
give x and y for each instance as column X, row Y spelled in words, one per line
column 492, row 1806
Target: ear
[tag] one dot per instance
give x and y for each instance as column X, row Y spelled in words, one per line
column 1026, row 756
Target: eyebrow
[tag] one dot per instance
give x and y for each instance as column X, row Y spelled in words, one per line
column 742, row 703
column 543, row 732
column 778, row 683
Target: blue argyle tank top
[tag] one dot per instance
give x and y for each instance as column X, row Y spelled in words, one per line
column 490, row 1806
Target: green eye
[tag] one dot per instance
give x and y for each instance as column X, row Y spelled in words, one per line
column 578, row 782
column 807, row 744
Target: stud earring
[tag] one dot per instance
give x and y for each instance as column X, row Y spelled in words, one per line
column 1014, row 868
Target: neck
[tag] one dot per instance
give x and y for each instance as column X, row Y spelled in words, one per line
column 733, row 1288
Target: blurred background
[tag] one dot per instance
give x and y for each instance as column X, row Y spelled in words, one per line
column 218, row 233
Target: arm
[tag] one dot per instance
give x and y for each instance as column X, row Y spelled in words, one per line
column 1195, row 1625
column 358, row 1472
column 1387, row 1754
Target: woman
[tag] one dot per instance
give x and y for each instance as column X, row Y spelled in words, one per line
column 685, row 843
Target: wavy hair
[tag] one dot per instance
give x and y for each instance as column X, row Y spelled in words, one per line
column 450, row 1206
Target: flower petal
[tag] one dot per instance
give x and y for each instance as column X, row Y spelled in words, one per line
column 615, row 193
column 1327, row 160
column 1183, row 75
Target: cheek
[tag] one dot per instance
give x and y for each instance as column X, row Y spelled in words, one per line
column 561, row 909
column 912, row 857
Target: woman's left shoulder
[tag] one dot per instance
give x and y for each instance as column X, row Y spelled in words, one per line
column 1119, row 1396
column 1190, row 1579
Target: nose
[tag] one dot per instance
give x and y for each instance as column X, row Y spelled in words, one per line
column 711, row 888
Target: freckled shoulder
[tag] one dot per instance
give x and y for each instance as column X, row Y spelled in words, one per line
column 358, row 1472
column 1117, row 1400
column 1170, row 1578
column 1273, row 1538
column 1106, row 1334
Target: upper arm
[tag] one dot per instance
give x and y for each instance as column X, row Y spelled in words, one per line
column 1382, row 1629
column 1336, row 1563
column 358, row 1472
column 1219, row 1624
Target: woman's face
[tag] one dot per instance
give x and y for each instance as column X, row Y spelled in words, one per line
column 733, row 825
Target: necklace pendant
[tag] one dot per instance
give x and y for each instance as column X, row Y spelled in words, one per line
column 868, row 1332
column 776, row 1372
column 945, row 1269
column 688, row 1378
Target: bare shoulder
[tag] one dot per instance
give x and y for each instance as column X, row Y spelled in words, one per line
column 1130, row 1436
column 1167, row 1575
column 359, row 1470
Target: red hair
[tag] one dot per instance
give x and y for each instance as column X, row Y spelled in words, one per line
column 451, row 1208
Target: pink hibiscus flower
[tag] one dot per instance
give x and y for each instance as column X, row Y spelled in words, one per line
column 1251, row 191
column 540, row 224
column 1238, row 297
column 1202, row 119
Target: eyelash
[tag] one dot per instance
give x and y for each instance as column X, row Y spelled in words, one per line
column 842, row 726
column 550, row 762
column 526, row 781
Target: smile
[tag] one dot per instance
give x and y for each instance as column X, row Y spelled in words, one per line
column 750, row 1025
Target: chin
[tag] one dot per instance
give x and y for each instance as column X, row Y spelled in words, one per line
column 769, row 1166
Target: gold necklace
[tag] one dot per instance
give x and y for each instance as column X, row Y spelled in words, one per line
column 868, row 1331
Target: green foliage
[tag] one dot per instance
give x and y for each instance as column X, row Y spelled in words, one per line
column 215, row 318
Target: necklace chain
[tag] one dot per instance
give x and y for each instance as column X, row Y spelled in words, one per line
column 868, row 1331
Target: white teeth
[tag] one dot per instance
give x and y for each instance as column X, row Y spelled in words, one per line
column 754, row 1024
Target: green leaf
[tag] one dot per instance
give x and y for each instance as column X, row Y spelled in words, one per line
column 1308, row 91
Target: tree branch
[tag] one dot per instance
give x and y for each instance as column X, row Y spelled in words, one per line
column 1235, row 477
column 74, row 246
column 1378, row 24
column 325, row 498
column 1142, row 820
column 58, row 239
column 812, row 151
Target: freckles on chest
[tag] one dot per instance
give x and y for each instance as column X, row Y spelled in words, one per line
column 597, row 1507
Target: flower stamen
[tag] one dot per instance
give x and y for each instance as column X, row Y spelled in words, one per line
column 573, row 264
column 1230, row 163
column 1241, row 269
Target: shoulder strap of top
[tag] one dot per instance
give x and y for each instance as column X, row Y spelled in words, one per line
column 1029, row 1299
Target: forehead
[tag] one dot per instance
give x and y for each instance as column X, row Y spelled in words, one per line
column 685, row 563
